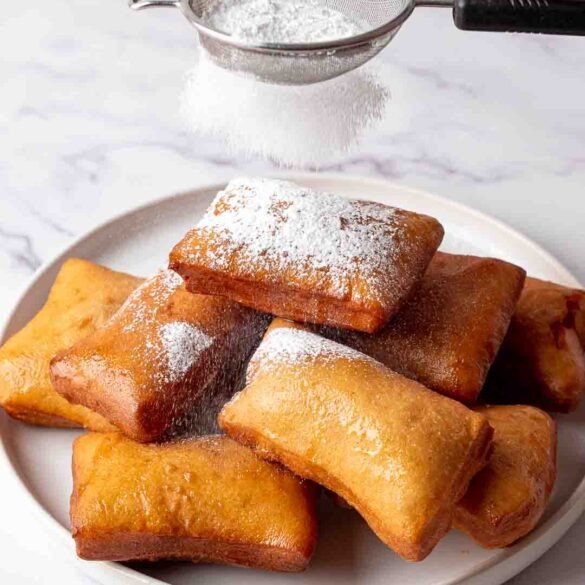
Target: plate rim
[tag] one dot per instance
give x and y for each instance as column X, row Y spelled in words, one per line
column 492, row 571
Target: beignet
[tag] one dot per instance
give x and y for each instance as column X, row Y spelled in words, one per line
column 83, row 297
column 506, row 499
column 305, row 255
column 203, row 500
column 542, row 360
column 400, row 454
column 161, row 359
column 448, row 334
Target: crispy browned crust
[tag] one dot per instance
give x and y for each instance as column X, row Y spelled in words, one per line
column 182, row 529
column 542, row 359
column 114, row 373
column 147, row 547
column 196, row 405
column 40, row 419
column 285, row 301
column 506, row 500
column 296, row 431
column 301, row 293
column 448, row 334
column 83, row 297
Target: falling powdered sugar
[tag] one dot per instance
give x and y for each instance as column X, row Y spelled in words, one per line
column 302, row 126
column 278, row 21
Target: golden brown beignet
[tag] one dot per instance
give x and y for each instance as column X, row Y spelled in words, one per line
column 448, row 334
column 203, row 500
column 308, row 256
column 542, row 360
column 507, row 498
column 400, row 454
column 83, row 297
column 160, row 360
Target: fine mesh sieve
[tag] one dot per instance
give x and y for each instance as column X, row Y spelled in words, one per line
column 297, row 64
column 304, row 63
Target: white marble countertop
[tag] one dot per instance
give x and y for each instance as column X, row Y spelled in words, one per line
column 89, row 126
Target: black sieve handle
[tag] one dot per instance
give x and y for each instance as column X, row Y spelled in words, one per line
column 560, row 17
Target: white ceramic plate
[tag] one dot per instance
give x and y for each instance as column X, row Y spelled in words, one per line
column 348, row 552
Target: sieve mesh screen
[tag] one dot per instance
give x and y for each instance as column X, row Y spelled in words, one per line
column 373, row 13
column 303, row 63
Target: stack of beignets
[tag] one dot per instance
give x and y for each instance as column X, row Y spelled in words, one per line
column 373, row 395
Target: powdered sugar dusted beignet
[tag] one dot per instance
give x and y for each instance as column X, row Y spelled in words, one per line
column 305, row 255
column 202, row 500
column 162, row 362
column 542, row 360
column 400, row 454
column 83, row 297
column 507, row 498
column 448, row 334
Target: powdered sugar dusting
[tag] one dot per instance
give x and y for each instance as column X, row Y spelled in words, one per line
column 288, row 345
column 181, row 343
column 157, row 289
column 174, row 346
column 282, row 21
column 273, row 223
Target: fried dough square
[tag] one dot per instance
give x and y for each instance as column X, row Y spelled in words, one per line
column 542, row 359
column 163, row 360
column 399, row 453
column 449, row 333
column 83, row 297
column 203, row 500
column 305, row 255
column 507, row 498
